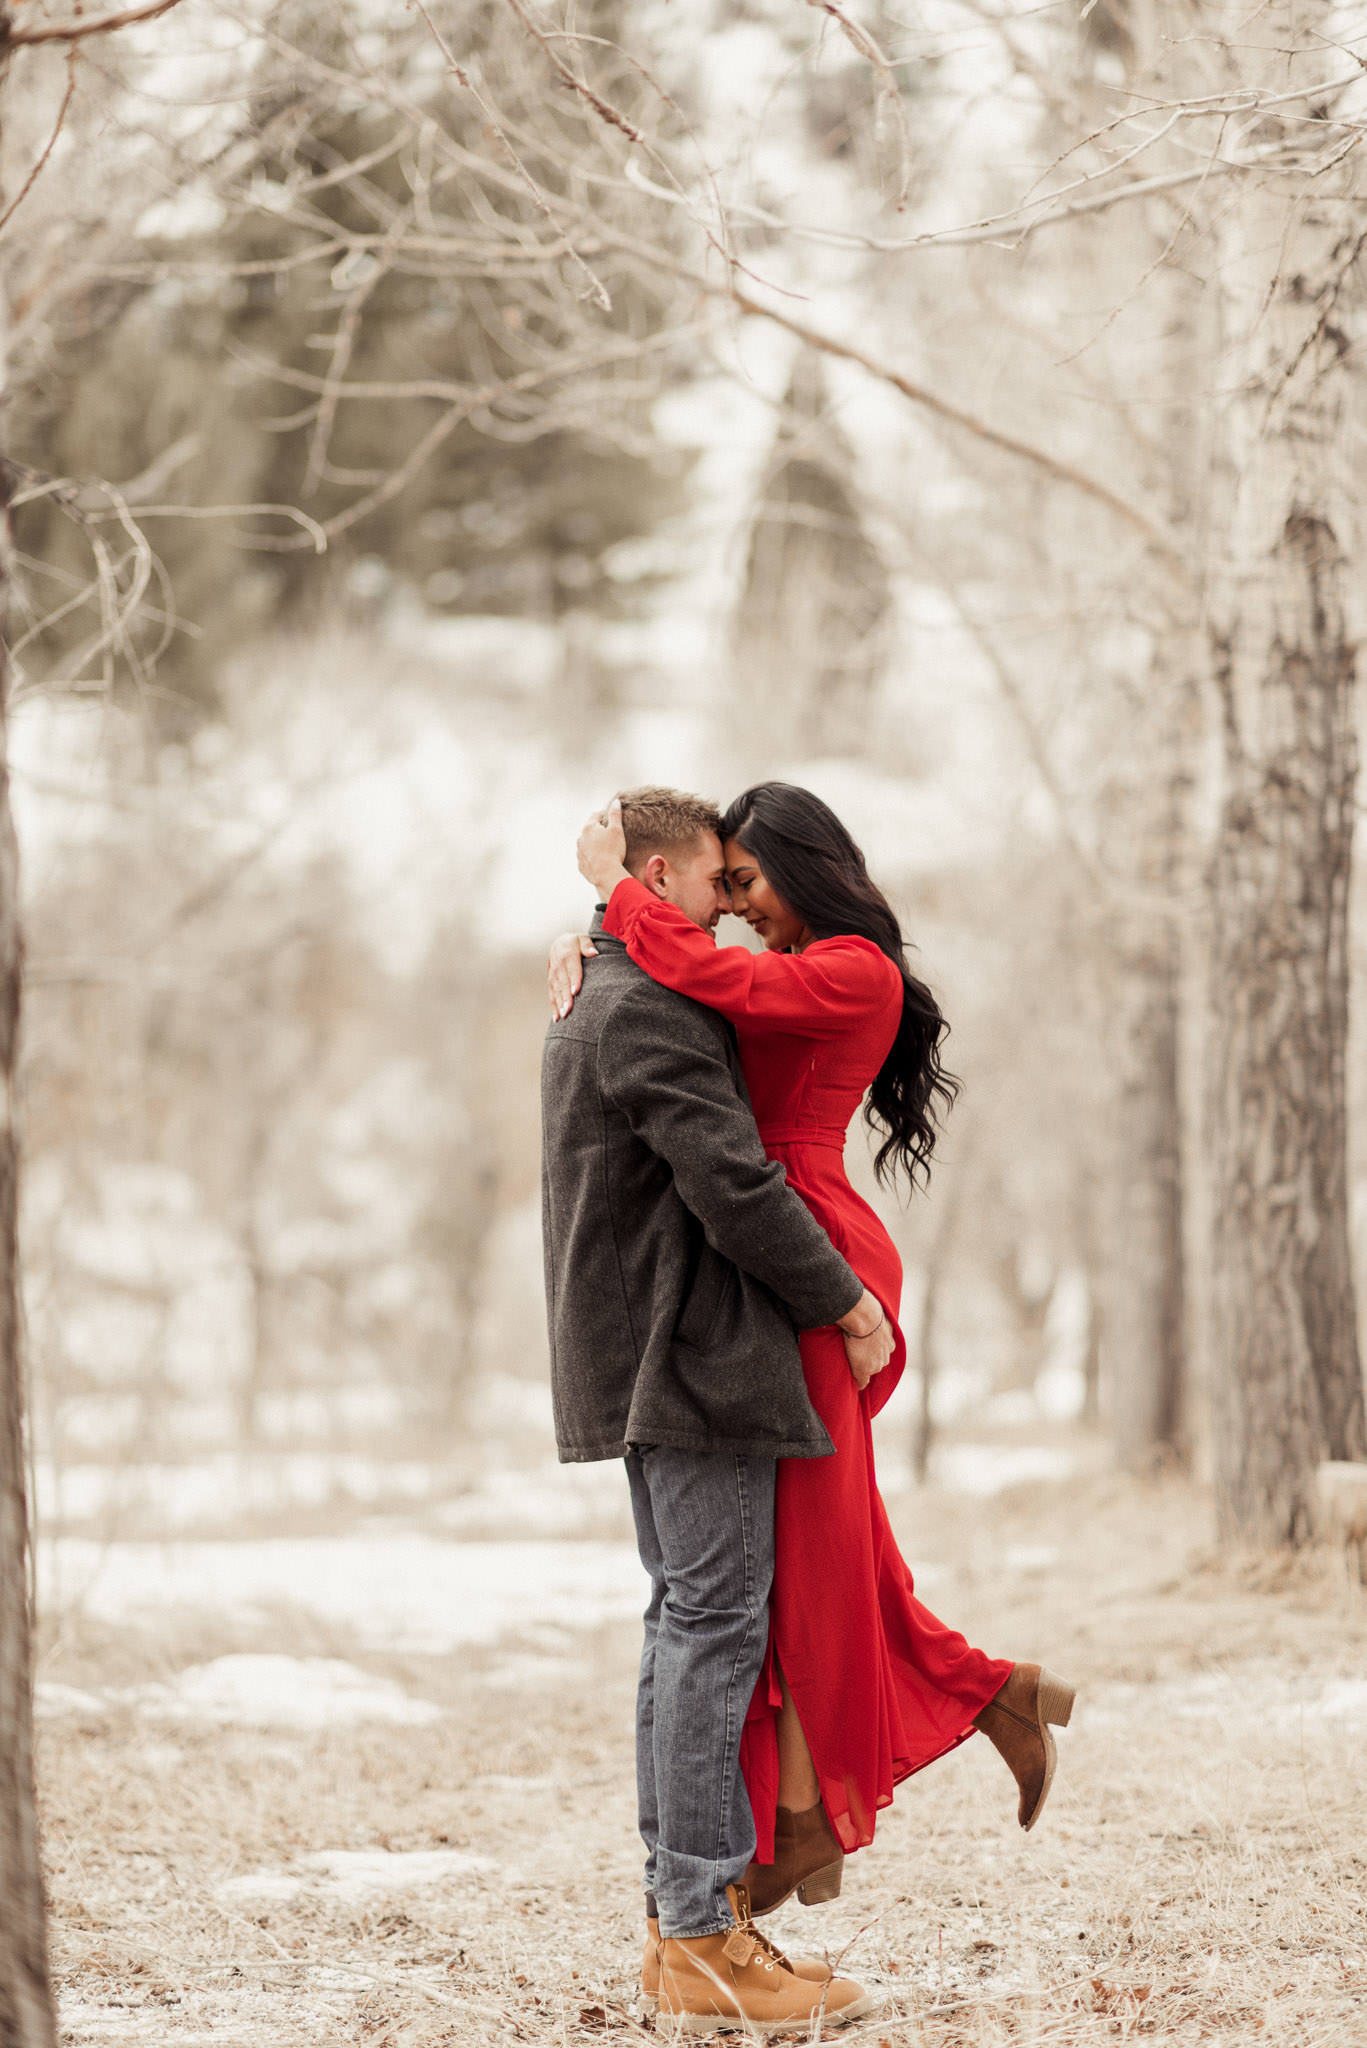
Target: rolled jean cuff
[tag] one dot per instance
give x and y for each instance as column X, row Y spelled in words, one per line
column 691, row 1893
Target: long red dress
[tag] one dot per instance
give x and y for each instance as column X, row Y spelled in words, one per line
column 881, row 1687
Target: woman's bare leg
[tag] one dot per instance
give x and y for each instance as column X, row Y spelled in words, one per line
column 798, row 1789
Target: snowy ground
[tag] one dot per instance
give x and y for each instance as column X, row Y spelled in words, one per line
column 376, row 1788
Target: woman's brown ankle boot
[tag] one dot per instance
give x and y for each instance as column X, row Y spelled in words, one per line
column 808, row 1860
column 1017, row 1724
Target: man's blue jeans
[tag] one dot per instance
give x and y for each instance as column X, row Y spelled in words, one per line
column 705, row 1528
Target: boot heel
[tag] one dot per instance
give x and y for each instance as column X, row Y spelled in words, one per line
column 1055, row 1699
column 823, row 1885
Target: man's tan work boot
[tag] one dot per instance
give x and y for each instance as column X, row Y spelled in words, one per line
column 808, row 1860
column 1016, row 1723
column 730, row 1982
column 810, row 1968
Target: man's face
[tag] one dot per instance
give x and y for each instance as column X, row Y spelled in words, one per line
column 694, row 880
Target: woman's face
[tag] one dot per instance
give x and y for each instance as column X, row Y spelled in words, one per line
column 760, row 904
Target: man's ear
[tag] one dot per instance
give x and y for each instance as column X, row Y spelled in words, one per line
column 653, row 873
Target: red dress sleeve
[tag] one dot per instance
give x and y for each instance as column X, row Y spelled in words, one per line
column 818, row 993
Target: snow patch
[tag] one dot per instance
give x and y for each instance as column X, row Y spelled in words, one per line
column 51, row 1700
column 983, row 1469
column 506, row 1781
column 531, row 1672
column 1030, row 1557
column 369, row 1870
column 227, row 1488
column 250, row 1691
column 1344, row 1700
column 283, row 1692
column 410, row 1593
column 352, row 1873
column 1245, row 1698
column 548, row 1500
column 260, row 1888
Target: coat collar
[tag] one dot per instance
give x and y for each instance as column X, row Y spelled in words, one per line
column 601, row 939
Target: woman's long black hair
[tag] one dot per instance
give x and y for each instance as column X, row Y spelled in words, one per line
column 814, row 865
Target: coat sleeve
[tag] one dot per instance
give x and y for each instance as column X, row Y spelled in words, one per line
column 667, row 1070
column 820, row 993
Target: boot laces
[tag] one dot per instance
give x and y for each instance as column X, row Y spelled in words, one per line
column 770, row 1948
column 756, row 1935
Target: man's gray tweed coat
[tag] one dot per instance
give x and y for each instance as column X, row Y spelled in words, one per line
column 677, row 1258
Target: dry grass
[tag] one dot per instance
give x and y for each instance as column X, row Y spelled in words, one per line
column 1198, row 1876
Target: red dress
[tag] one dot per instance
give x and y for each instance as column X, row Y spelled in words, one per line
column 881, row 1687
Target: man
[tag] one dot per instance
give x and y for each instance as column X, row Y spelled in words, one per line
column 677, row 1263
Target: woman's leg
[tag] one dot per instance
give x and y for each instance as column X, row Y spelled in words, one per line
column 881, row 1685
column 798, row 1788
column 807, row 1858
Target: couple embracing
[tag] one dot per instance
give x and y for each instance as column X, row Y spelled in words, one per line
column 723, row 1314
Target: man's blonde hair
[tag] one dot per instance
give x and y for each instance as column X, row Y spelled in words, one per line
column 664, row 821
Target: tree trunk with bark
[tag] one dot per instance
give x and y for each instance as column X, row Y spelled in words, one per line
column 26, row 2015
column 1287, row 1388
column 1145, row 1277
column 1145, row 1266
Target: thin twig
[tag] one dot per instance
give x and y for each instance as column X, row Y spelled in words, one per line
column 859, row 39
column 343, row 344
column 1158, row 536
column 1009, row 684
column 598, row 291
column 317, row 533
column 32, row 177
column 603, row 108
column 624, row 350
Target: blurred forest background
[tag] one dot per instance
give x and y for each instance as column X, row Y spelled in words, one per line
column 419, row 421
column 423, row 422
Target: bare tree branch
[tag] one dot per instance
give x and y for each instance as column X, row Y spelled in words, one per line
column 1158, row 536
column 601, row 107
column 1103, row 883
column 32, row 178
column 466, row 407
column 859, row 39
column 73, row 31
column 462, row 76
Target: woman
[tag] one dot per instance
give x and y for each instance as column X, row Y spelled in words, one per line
column 863, row 1684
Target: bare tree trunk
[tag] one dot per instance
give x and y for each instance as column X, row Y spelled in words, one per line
column 951, row 1199
column 928, row 1355
column 811, row 625
column 1145, row 1282
column 1288, row 1386
column 1090, row 1412
column 1287, row 1375
column 1140, row 1262
column 26, row 2015
column 1145, row 1266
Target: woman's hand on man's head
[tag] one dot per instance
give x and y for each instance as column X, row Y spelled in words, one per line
column 602, row 849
